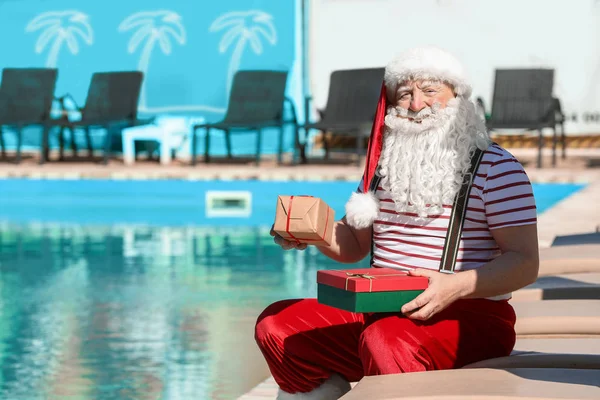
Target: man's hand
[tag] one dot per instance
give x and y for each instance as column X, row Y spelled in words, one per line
column 443, row 290
column 286, row 244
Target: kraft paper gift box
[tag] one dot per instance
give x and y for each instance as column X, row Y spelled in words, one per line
column 304, row 219
column 367, row 290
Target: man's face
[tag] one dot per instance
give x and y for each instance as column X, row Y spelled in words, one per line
column 416, row 96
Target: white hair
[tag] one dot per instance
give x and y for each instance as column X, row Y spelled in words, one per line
column 422, row 164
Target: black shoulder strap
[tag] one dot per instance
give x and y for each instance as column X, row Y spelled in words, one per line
column 457, row 218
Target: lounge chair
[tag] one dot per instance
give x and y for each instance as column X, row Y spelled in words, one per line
column 497, row 384
column 566, row 272
column 523, row 99
column 580, row 238
column 257, row 101
column 576, row 258
column 556, row 344
column 581, row 353
column 588, row 345
column 564, row 318
column 351, row 104
column 111, row 104
column 541, row 360
column 26, row 96
column 561, row 286
column 547, row 338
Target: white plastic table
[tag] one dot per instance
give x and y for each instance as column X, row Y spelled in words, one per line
column 169, row 132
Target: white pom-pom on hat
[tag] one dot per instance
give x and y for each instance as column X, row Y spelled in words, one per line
column 362, row 209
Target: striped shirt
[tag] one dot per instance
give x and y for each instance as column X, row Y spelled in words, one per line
column 501, row 196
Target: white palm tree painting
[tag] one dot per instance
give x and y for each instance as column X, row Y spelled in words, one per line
column 152, row 27
column 59, row 28
column 243, row 27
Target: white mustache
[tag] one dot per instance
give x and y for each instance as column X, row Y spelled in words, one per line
column 416, row 116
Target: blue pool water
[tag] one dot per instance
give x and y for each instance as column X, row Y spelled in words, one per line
column 130, row 290
column 177, row 202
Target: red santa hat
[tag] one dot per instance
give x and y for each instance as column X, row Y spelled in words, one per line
column 427, row 63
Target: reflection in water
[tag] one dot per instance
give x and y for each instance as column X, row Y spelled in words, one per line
column 139, row 312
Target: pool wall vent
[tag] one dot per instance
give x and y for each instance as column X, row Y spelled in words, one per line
column 232, row 204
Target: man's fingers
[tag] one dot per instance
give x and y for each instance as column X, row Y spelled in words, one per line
column 422, row 272
column 422, row 314
column 279, row 240
column 287, row 244
column 290, row 245
column 418, row 302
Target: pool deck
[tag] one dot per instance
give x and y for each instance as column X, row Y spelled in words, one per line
column 581, row 165
column 578, row 213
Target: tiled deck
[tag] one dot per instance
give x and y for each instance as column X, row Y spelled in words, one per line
column 574, row 169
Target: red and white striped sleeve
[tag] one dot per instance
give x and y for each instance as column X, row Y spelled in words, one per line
column 507, row 194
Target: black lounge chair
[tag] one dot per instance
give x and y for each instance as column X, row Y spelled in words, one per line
column 579, row 238
column 257, row 101
column 111, row 104
column 26, row 96
column 523, row 99
column 351, row 104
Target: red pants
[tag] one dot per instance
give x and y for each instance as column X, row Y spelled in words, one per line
column 304, row 342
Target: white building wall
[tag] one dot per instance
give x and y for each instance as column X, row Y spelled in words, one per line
column 484, row 34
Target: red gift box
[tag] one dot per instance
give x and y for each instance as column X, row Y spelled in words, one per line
column 371, row 280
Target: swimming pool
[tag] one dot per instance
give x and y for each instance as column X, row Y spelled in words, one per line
column 180, row 202
column 138, row 290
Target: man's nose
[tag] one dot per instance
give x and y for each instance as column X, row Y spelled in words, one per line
column 417, row 104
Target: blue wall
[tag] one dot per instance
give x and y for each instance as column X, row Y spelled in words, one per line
column 188, row 65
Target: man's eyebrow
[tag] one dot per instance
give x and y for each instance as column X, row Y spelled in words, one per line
column 428, row 84
column 403, row 89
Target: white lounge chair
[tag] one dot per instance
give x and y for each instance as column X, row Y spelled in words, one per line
column 497, row 384
column 570, row 259
column 561, row 287
column 582, row 353
column 586, row 345
column 564, row 318
column 541, row 360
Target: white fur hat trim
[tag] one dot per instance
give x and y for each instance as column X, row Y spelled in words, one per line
column 426, row 63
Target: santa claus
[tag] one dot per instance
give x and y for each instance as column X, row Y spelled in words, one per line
column 428, row 134
column 425, row 133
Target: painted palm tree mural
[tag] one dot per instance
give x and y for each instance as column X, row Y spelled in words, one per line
column 242, row 28
column 59, row 28
column 152, row 28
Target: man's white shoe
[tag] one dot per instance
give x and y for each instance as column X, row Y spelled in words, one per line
column 332, row 389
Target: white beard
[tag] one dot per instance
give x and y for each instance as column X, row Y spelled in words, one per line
column 422, row 164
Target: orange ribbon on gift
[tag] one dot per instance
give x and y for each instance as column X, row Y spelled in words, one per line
column 367, row 276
